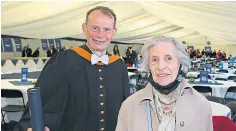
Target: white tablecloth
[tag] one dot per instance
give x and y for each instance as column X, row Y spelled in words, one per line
column 219, row 90
column 230, row 71
column 130, row 74
column 219, row 75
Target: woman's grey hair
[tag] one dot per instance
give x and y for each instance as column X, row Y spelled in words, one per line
column 180, row 52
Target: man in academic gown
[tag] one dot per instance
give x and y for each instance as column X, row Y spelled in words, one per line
column 79, row 93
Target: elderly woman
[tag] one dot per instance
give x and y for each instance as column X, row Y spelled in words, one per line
column 167, row 103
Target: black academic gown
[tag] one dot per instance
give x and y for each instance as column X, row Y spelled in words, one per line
column 79, row 96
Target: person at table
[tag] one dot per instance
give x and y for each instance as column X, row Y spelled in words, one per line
column 28, row 51
column 62, row 49
column 213, row 55
column 230, row 57
column 203, row 53
column 49, row 52
column 167, row 103
column 116, row 50
column 36, row 53
column 23, row 52
column 83, row 88
column 131, row 55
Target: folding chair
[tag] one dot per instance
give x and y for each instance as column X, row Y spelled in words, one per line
column 222, row 79
column 133, row 82
column 231, row 89
column 209, row 77
column 203, row 89
column 223, row 71
column 132, row 70
column 5, row 93
column 232, row 78
column 143, row 81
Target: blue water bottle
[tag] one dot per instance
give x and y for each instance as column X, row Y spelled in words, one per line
column 220, row 66
column 24, row 74
column 138, row 64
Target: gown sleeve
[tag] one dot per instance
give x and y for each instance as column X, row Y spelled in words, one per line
column 53, row 83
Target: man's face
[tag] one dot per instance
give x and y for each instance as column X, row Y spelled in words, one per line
column 99, row 30
column 130, row 46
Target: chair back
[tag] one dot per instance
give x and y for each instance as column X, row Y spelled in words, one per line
column 203, row 89
column 132, row 70
column 11, row 93
column 231, row 89
column 223, row 71
column 133, row 80
column 5, row 93
column 232, row 78
column 222, row 79
column 144, row 74
column 143, row 81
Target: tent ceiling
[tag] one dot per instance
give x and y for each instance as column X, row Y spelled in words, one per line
column 137, row 21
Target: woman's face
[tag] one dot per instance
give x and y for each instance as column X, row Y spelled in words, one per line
column 163, row 63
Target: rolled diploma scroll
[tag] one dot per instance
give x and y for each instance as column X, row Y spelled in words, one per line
column 36, row 110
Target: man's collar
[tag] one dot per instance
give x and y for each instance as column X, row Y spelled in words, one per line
column 90, row 51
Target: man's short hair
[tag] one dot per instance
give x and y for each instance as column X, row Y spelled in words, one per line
column 104, row 10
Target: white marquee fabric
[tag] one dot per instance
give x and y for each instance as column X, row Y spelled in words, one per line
column 137, row 20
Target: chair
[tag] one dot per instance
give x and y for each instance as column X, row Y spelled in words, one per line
column 133, row 82
column 132, row 70
column 223, row 71
column 232, row 106
column 222, row 79
column 232, row 78
column 231, row 89
column 216, row 99
column 143, row 81
column 5, row 93
column 203, row 89
column 209, row 77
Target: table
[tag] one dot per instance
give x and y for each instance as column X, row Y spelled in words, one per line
column 230, row 71
column 217, row 75
column 218, row 90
